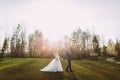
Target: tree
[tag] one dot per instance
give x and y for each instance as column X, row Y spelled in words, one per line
column 96, row 48
column 23, row 44
column 76, row 38
column 35, row 44
column 104, row 51
column 4, row 48
column 110, row 47
column 18, row 42
column 117, row 48
column 31, row 47
column 76, row 43
column 86, row 40
column 80, row 42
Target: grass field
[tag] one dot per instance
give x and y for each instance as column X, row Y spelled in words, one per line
column 28, row 69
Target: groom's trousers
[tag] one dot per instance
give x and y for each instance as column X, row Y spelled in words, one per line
column 68, row 65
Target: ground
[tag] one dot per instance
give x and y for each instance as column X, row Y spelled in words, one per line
column 28, row 69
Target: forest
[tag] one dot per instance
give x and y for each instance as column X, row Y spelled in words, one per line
column 83, row 43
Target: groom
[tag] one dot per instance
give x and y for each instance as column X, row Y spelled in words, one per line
column 68, row 55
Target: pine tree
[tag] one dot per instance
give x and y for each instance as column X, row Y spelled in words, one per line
column 4, row 48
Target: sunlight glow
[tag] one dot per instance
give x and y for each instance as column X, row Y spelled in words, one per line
column 57, row 18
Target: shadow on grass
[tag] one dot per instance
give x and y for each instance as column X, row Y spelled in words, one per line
column 72, row 76
column 52, row 76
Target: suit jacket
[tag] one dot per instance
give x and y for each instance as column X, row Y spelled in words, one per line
column 68, row 56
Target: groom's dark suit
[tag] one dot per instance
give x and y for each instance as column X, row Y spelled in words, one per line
column 69, row 58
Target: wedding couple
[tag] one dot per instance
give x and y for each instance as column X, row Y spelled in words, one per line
column 55, row 64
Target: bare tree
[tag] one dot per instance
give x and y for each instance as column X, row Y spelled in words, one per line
column 35, row 44
column 18, row 42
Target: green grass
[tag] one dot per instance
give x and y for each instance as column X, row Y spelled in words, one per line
column 28, row 69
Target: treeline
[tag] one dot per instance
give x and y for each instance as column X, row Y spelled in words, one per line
column 82, row 43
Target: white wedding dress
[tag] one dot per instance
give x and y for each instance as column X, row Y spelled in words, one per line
column 54, row 65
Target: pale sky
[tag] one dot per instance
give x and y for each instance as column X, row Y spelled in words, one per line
column 57, row 18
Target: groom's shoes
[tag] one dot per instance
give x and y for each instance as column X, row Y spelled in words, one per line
column 67, row 70
column 71, row 71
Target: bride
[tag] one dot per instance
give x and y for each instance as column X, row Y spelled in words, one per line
column 54, row 65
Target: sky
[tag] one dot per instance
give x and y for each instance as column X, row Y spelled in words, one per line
column 57, row 18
